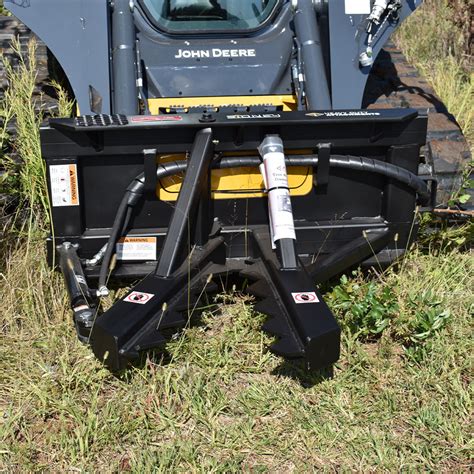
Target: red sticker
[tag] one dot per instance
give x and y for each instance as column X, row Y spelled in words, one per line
column 156, row 118
column 138, row 297
column 306, row 297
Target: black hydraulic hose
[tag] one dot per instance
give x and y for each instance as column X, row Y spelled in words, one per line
column 113, row 239
column 369, row 165
column 359, row 163
column 127, row 220
column 131, row 198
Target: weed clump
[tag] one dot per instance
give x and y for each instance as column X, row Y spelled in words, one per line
column 23, row 112
column 398, row 305
column 366, row 308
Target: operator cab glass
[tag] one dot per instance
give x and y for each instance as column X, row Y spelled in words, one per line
column 181, row 16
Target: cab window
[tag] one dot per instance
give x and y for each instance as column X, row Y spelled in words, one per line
column 209, row 15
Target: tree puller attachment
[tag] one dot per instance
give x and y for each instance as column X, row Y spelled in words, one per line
column 217, row 138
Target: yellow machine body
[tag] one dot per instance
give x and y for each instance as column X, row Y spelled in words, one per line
column 236, row 183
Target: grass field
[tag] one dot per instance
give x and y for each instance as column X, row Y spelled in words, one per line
column 400, row 398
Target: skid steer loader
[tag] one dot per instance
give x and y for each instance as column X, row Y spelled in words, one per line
column 217, row 138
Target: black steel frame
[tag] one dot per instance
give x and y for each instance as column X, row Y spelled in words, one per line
column 338, row 241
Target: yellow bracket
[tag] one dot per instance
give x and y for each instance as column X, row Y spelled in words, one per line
column 287, row 102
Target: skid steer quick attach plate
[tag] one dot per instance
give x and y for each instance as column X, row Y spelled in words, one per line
column 108, row 158
column 360, row 209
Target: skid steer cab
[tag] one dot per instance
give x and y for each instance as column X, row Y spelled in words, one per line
column 218, row 137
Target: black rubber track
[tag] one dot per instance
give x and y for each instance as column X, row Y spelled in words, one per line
column 394, row 83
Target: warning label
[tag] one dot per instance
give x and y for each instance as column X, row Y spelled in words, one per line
column 305, row 298
column 64, row 187
column 138, row 297
column 136, row 248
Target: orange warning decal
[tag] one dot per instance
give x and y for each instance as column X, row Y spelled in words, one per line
column 138, row 240
column 73, row 184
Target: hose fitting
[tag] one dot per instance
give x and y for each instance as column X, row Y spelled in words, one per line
column 378, row 10
column 103, row 291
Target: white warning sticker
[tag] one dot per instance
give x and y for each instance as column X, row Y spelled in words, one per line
column 305, row 297
column 64, row 187
column 137, row 297
column 281, row 216
column 136, row 248
column 357, row 7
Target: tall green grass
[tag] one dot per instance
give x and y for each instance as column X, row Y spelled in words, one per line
column 35, row 293
column 435, row 39
column 21, row 155
column 27, row 118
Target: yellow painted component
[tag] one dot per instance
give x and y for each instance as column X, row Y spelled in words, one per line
column 236, row 183
column 288, row 102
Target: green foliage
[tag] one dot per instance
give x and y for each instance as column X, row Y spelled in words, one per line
column 20, row 155
column 3, row 10
column 65, row 104
column 434, row 29
column 30, row 177
column 437, row 235
column 419, row 345
column 462, row 196
column 366, row 308
column 430, row 316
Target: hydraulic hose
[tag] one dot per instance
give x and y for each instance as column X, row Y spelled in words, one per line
column 113, row 239
column 131, row 198
column 356, row 163
column 135, row 190
column 369, row 165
